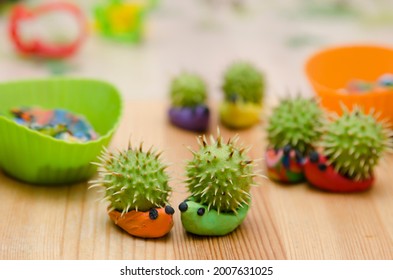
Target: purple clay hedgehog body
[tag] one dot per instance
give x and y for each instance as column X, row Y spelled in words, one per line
column 188, row 109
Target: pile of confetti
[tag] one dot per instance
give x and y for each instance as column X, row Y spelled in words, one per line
column 58, row 123
column 384, row 83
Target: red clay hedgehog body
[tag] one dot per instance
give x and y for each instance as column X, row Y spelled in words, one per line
column 350, row 149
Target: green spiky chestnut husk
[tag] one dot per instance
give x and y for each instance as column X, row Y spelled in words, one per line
column 243, row 82
column 296, row 122
column 133, row 179
column 188, row 90
column 220, row 175
column 354, row 143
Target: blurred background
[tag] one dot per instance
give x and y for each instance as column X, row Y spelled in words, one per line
column 205, row 36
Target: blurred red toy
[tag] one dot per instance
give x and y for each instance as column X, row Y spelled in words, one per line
column 323, row 176
column 36, row 45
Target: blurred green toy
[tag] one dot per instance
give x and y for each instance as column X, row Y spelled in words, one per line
column 6, row 3
column 123, row 20
column 243, row 88
column 219, row 179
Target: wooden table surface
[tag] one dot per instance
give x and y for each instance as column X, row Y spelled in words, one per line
column 285, row 221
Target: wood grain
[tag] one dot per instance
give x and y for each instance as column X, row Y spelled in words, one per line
column 285, row 221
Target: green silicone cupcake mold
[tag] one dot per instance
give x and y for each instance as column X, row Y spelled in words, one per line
column 36, row 158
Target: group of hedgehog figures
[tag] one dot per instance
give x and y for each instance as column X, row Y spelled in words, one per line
column 305, row 143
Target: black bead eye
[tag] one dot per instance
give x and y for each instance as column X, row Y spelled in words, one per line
column 299, row 156
column 204, row 110
column 287, row 149
column 233, row 98
column 201, row 211
column 183, row 207
column 322, row 166
column 169, row 210
column 314, row 157
column 153, row 214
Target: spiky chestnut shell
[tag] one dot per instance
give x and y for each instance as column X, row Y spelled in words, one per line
column 243, row 82
column 133, row 179
column 188, row 90
column 296, row 122
column 220, row 175
column 354, row 143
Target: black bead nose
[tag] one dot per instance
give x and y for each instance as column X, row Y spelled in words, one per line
column 201, row 211
column 322, row 166
column 205, row 110
column 314, row 157
column 233, row 98
column 202, row 109
column 287, row 149
column 169, row 210
column 299, row 156
column 183, row 206
column 153, row 214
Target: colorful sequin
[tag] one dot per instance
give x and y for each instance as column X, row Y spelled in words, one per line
column 58, row 123
column 357, row 86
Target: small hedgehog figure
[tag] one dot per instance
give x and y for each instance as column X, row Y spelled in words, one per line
column 350, row 150
column 293, row 129
column 136, row 185
column 188, row 93
column 244, row 89
column 219, row 178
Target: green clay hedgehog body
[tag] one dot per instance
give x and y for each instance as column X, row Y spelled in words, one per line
column 354, row 143
column 133, row 180
column 295, row 122
column 188, row 110
column 244, row 89
column 219, row 178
